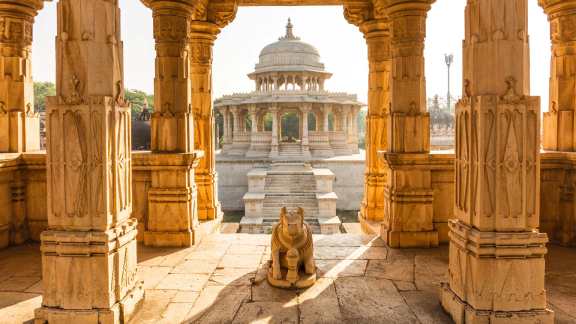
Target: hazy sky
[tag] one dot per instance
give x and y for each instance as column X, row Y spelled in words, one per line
column 341, row 46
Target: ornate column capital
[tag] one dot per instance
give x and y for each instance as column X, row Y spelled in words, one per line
column 252, row 109
column 306, row 107
column 554, row 8
column 217, row 12
column 28, row 7
column 274, row 108
column 326, row 108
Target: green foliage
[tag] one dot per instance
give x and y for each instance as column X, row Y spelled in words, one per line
column 137, row 99
column 41, row 91
column 290, row 124
column 268, row 122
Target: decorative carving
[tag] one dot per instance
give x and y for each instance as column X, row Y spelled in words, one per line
column 292, row 262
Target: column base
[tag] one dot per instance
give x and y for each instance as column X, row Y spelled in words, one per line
column 169, row 239
column 119, row 313
column 369, row 227
column 462, row 313
column 397, row 239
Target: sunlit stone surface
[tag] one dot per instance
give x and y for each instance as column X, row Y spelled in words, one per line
column 359, row 280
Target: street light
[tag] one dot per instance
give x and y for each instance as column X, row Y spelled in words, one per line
column 449, row 59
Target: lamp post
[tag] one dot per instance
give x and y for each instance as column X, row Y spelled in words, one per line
column 449, row 59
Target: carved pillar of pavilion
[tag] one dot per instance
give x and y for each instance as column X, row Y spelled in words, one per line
column 560, row 120
column 376, row 29
column 253, row 113
column 305, row 109
column 408, row 194
column 19, row 123
column 227, row 132
column 172, row 197
column 326, row 109
column 204, row 27
column 496, row 257
column 89, row 249
column 275, row 127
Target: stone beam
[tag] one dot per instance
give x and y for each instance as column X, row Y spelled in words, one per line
column 496, row 258
column 19, row 122
column 89, row 249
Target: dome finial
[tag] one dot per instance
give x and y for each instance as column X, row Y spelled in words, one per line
column 289, row 33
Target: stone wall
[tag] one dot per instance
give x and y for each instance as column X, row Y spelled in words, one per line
column 23, row 183
column 348, row 185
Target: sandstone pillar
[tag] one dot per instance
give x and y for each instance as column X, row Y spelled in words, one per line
column 376, row 29
column 305, row 109
column 408, row 194
column 496, row 267
column 560, row 120
column 326, row 109
column 235, row 120
column 172, row 197
column 19, row 123
column 275, row 127
column 89, row 249
column 202, row 36
column 227, row 129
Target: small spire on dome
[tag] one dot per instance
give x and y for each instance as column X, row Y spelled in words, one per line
column 289, row 33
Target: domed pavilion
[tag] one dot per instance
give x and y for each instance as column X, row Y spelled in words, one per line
column 290, row 114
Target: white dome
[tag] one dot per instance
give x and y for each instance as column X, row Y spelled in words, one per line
column 289, row 53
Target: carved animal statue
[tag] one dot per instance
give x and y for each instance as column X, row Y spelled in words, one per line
column 292, row 247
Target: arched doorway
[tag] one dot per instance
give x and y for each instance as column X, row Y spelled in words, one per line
column 290, row 127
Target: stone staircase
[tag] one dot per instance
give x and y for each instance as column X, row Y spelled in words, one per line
column 290, row 150
column 290, row 185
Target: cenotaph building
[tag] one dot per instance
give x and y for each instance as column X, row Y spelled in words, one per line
column 287, row 126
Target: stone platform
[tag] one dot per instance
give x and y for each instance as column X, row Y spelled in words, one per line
column 222, row 280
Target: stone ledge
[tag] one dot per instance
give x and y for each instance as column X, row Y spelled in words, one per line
column 145, row 160
column 497, row 244
column 119, row 313
column 77, row 243
column 462, row 313
column 406, row 239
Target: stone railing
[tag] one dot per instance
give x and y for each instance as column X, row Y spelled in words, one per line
column 261, row 138
column 241, row 138
column 23, row 203
column 318, row 138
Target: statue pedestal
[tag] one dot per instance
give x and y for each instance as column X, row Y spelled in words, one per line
column 304, row 280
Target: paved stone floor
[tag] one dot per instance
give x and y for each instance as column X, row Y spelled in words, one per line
column 223, row 281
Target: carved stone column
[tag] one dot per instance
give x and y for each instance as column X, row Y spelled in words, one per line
column 172, row 198
column 202, row 36
column 19, row 123
column 376, row 30
column 305, row 109
column 89, row 249
column 275, row 126
column 408, row 194
column 236, row 126
column 253, row 112
column 560, row 120
column 326, row 109
column 496, row 266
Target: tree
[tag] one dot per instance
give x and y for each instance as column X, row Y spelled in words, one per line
column 137, row 99
column 41, row 91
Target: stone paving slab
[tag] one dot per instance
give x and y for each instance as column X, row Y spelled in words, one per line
column 223, row 280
